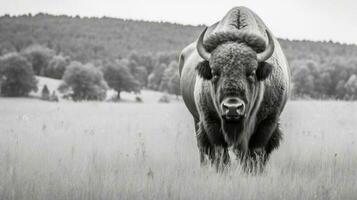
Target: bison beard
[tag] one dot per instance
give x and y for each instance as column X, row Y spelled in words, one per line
column 232, row 130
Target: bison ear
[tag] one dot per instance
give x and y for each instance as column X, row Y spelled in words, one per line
column 204, row 70
column 263, row 71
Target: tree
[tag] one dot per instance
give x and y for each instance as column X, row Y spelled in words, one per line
column 351, row 87
column 39, row 57
column 17, row 75
column 6, row 47
column 56, row 67
column 170, row 71
column 174, row 84
column 154, row 79
column 139, row 72
column 2, row 79
column 84, row 82
column 303, row 81
column 45, row 93
column 119, row 78
column 148, row 62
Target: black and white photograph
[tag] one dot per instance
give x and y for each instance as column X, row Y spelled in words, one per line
column 169, row 99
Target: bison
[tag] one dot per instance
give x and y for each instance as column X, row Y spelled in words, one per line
column 235, row 81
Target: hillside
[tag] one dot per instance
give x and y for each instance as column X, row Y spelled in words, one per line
column 87, row 39
column 93, row 38
column 323, row 69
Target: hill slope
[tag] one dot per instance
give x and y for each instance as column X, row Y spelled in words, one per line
column 319, row 69
column 87, row 39
column 94, row 38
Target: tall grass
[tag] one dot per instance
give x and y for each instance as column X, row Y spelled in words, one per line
column 98, row 150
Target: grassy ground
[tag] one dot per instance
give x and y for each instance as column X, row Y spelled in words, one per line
column 96, row 150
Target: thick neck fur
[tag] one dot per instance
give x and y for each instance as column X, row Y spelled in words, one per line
column 238, row 134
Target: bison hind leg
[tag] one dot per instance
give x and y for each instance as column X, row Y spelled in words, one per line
column 274, row 141
column 256, row 160
column 252, row 162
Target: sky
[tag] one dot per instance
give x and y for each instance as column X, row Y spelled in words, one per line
column 292, row 19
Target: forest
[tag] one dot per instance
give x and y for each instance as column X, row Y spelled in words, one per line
column 129, row 55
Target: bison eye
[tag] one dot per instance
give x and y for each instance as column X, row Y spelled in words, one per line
column 215, row 77
column 252, row 76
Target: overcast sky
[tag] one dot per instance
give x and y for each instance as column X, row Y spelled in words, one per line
column 293, row 19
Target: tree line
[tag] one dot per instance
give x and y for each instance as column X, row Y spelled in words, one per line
column 322, row 70
column 86, row 81
column 138, row 54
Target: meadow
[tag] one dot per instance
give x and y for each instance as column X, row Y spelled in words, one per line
column 103, row 150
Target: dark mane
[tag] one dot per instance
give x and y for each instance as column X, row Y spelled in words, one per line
column 256, row 42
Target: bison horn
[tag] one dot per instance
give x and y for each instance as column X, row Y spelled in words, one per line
column 200, row 48
column 269, row 50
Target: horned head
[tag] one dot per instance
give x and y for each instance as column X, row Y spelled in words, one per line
column 235, row 65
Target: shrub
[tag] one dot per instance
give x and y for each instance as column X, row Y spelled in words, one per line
column 84, row 82
column 45, row 93
column 164, row 98
column 54, row 97
column 138, row 99
column 17, row 76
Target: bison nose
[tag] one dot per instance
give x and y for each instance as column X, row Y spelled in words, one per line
column 233, row 107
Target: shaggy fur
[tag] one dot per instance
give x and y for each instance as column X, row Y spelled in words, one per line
column 204, row 70
column 234, row 61
column 236, row 73
column 256, row 42
column 263, row 71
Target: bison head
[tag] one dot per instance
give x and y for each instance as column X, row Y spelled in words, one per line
column 234, row 63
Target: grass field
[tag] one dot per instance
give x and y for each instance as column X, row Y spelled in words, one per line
column 96, row 150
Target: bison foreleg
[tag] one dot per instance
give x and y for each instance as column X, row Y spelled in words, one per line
column 221, row 158
column 204, row 146
column 265, row 139
column 216, row 155
column 251, row 161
